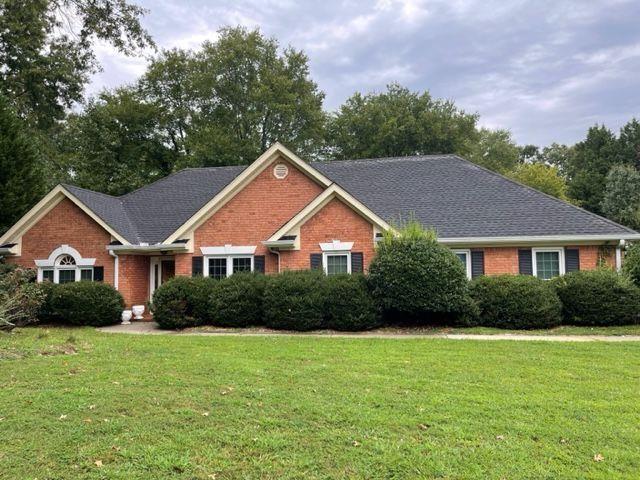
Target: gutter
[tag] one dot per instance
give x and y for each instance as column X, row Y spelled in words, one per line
column 279, row 243
column 157, row 248
column 116, row 273
column 537, row 239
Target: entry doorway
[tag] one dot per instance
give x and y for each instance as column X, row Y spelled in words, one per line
column 162, row 269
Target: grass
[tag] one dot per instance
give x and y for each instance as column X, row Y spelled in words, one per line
column 76, row 403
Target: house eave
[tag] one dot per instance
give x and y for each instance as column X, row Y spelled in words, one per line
column 279, row 244
column 527, row 240
column 159, row 248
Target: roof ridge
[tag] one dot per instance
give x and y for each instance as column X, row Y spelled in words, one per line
column 556, row 199
column 413, row 158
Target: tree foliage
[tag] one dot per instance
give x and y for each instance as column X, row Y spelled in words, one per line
column 495, row 150
column 588, row 167
column 621, row 201
column 46, row 50
column 20, row 174
column 542, row 177
column 398, row 122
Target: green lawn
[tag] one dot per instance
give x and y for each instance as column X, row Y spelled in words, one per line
column 308, row 407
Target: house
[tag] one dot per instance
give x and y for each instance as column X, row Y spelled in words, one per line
column 283, row 213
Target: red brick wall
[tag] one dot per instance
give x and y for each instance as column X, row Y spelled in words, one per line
column 254, row 214
column 335, row 221
column 133, row 277
column 499, row 260
column 66, row 224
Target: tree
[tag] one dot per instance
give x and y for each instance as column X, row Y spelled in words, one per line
column 248, row 96
column 542, row 177
column 556, row 155
column 46, row 50
column 114, row 146
column 20, row 175
column 529, row 153
column 628, row 148
column 588, row 167
column 398, row 122
column 621, row 201
column 495, row 150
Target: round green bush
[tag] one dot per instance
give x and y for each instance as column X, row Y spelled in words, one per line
column 348, row 304
column 516, row 302
column 294, row 300
column 598, row 298
column 237, row 300
column 631, row 264
column 82, row 303
column 183, row 302
column 414, row 278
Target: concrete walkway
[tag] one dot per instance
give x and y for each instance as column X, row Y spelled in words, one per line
column 151, row 328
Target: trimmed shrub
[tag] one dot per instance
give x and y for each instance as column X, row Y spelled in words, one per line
column 294, row 300
column 516, row 302
column 6, row 268
column 414, row 278
column 81, row 303
column 182, row 302
column 598, row 298
column 631, row 264
column 348, row 304
column 236, row 301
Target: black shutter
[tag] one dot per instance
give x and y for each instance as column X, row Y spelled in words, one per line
column 258, row 263
column 316, row 261
column 571, row 260
column 525, row 261
column 477, row 263
column 196, row 266
column 98, row 274
column 357, row 262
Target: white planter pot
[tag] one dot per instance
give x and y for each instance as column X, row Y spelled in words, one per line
column 138, row 310
column 126, row 317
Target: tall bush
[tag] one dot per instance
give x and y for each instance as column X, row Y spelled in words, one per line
column 516, row 302
column 183, row 302
column 237, row 301
column 348, row 304
column 599, row 298
column 415, row 277
column 294, row 300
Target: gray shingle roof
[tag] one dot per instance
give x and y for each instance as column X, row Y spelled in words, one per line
column 446, row 192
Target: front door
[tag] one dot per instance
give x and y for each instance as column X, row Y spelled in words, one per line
column 162, row 269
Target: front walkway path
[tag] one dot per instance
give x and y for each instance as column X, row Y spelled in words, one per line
column 151, row 328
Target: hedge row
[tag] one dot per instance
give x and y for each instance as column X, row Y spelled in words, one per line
column 82, row 303
column 309, row 300
column 301, row 300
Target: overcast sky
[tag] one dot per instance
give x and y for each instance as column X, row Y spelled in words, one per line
column 546, row 70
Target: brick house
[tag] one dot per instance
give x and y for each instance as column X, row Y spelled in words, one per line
column 283, row 213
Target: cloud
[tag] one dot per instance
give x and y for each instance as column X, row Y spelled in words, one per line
column 547, row 70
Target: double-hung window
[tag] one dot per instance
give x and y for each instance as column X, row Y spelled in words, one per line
column 65, row 267
column 336, row 263
column 222, row 262
column 224, row 266
column 548, row 262
column 465, row 258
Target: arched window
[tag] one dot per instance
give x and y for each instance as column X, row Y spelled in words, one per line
column 64, row 265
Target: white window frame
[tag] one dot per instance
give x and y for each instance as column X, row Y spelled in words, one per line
column 336, row 253
column 53, row 263
column 467, row 266
column 534, row 259
column 229, row 259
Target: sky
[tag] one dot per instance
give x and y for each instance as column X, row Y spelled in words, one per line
column 546, row 70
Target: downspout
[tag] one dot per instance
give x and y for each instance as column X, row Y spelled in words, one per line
column 277, row 253
column 115, row 268
column 619, row 255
